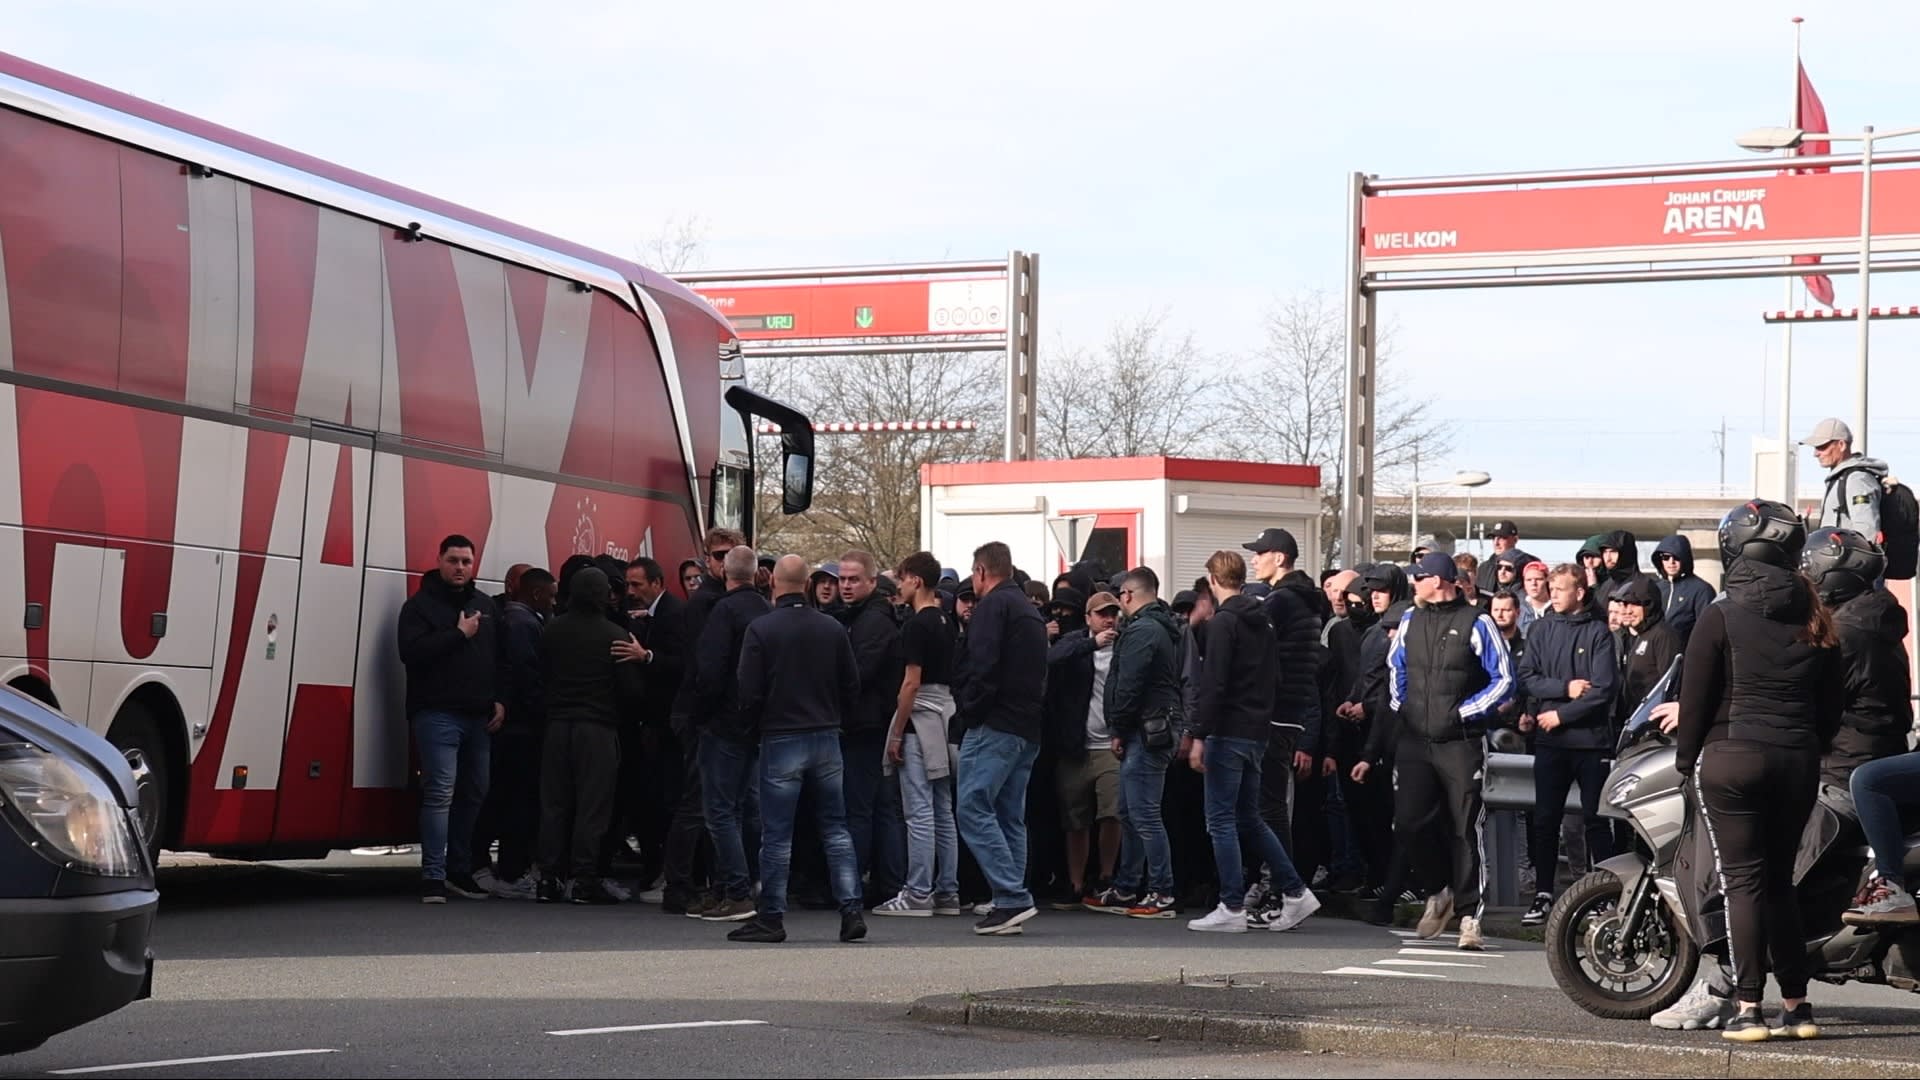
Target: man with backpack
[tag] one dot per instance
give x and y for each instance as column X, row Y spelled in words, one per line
column 1861, row 496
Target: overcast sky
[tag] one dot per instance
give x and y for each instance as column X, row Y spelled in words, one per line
column 1190, row 157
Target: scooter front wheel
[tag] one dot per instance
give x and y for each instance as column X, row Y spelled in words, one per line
column 1605, row 967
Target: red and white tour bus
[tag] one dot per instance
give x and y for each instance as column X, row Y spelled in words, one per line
column 243, row 395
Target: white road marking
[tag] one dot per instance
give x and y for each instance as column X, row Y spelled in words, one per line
column 1449, row 952
column 661, row 1027
column 172, row 1062
column 1427, row 963
column 1379, row 971
column 1416, row 934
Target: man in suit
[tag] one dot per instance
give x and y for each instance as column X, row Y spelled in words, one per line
column 650, row 756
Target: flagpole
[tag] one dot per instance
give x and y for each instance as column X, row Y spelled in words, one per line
column 1788, row 452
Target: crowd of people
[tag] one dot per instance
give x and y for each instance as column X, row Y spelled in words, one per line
column 915, row 741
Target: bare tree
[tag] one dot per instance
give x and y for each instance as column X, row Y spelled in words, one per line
column 1140, row 394
column 678, row 244
column 1301, row 390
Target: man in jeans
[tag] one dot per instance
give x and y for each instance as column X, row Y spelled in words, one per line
column 1228, row 742
column 917, row 747
column 873, row 803
column 1143, row 712
column 448, row 638
column 728, row 747
column 999, row 705
column 798, row 682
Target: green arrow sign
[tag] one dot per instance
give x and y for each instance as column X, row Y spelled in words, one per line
column 863, row 317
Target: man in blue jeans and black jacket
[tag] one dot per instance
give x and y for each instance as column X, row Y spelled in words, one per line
column 999, row 705
column 1144, row 715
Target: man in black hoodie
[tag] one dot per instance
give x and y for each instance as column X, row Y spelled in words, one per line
column 1619, row 562
column 456, row 697
column 1650, row 645
column 586, row 691
column 1571, row 672
column 1683, row 595
column 873, row 798
column 511, row 813
column 798, row 682
column 1297, row 608
column 1877, row 712
column 688, row 831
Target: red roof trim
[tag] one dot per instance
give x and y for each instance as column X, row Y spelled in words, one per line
column 1091, row 470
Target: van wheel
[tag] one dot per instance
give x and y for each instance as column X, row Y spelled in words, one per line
column 136, row 734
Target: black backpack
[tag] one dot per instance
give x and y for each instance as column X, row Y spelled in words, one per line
column 1899, row 525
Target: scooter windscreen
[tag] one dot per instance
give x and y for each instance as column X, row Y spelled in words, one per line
column 1641, row 723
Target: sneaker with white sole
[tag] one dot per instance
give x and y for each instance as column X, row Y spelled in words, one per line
column 653, row 896
column 1438, row 914
column 1221, row 920
column 1004, row 922
column 1470, row 938
column 526, row 888
column 1294, row 910
column 1701, row 1007
column 463, row 885
column 616, row 890
column 484, row 878
column 983, row 909
column 1537, row 914
column 908, row 906
column 948, row 905
column 1882, row 903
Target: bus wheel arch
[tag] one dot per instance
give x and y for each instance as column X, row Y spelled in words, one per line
column 36, row 688
column 151, row 731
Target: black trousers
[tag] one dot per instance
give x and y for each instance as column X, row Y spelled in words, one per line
column 687, row 832
column 663, row 771
column 580, row 764
column 1276, row 791
column 1758, row 798
column 1555, row 771
column 511, row 814
column 1438, row 784
column 624, row 820
column 1370, row 822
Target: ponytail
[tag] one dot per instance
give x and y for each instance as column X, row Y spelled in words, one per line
column 1819, row 630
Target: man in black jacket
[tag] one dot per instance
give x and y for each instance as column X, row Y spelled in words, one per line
column 1238, row 687
column 511, row 813
column 585, row 690
column 456, row 697
column 729, row 748
column 1620, row 563
column 656, row 619
column 999, row 701
column 1877, row 712
column 687, row 833
column 1506, row 549
column 1143, row 715
column 1297, row 608
column 1684, row 596
column 798, row 683
column 873, row 798
column 1649, row 645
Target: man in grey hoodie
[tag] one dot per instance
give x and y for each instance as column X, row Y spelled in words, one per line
column 1854, row 481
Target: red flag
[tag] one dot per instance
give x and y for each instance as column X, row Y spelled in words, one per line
column 1811, row 115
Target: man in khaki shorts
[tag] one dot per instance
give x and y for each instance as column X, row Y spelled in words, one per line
column 1088, row 776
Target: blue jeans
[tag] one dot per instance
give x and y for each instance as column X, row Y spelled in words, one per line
column 1879, row 789
column 1233, row 813
column 1143, row 837
column 873, row 811
column 992, row 813
column 454, row 762
column 933, row 847
column 789, row 764
column 727, row 782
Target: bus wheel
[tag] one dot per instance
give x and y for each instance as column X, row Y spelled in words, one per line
column 138, row 737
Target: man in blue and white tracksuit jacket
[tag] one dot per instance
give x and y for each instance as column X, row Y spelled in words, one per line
column 1449, row 673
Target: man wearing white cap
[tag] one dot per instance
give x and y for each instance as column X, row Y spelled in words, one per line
column 1854, row 481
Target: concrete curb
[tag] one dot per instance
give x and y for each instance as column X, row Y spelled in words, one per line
column 1392, row 1041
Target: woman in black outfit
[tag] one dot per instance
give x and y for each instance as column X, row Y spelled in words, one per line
column 1759, row 706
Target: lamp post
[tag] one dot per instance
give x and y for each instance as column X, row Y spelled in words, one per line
column 1465, row 478
column 1769, row 139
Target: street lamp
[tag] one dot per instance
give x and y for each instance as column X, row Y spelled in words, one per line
column 1768, row 139
column 1466, row 478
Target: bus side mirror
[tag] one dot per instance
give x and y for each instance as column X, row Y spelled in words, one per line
column 796, row 478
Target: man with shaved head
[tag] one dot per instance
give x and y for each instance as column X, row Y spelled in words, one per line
column 798, row 682
column 728, row 747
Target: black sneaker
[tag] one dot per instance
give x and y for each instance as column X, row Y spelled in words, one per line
column 551, row 891
column 433, row 891
column 675, row 903
column 464, row 885
column 1748, row 1025
column 1537, row 914
column 760, row 930
column 1065, row 898
column 1004, row 921
column 1797, row 1023
column 592, row 891
column 853, row 926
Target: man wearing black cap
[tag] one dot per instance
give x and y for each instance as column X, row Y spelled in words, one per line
column 1448, row 674
column 1506, row 539
column 1297, row 609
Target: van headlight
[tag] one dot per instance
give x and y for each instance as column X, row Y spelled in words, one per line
column 69, row 815
column 1622, row 792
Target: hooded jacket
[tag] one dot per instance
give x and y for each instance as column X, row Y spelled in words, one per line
column 875, row 636
column 1748, row 674
column 716, row 663
column 1852, row 496
column 1629, row 567
column 1878, row 711
column 1647, row 652
column 1686, row 596
column 1145, row 679
column 1239, row 679
column 1297, row 608
column 1487, row 578
column 580, row 680
column 446, row 670
column 1560, row 649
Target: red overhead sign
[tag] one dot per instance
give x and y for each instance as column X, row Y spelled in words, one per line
column 1742, row 217
column 918, row 308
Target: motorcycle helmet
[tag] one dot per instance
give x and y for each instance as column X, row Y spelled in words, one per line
column 1763, row 531
column 1842, row 563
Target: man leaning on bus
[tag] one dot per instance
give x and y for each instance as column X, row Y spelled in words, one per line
column 448, row 642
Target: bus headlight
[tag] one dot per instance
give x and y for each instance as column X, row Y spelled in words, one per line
column 67, row 814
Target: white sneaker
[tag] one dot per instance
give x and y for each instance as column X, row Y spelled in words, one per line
column 1294, row 910
column 484, row 878
column 1221, row 920
column 1470, row 938
column 1699, row 1008
column 983, row 909
column 616, row 890
column 1438, row 914
column 653, row 896
column 527, row 888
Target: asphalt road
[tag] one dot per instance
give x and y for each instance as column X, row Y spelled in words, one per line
column 339, row 957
